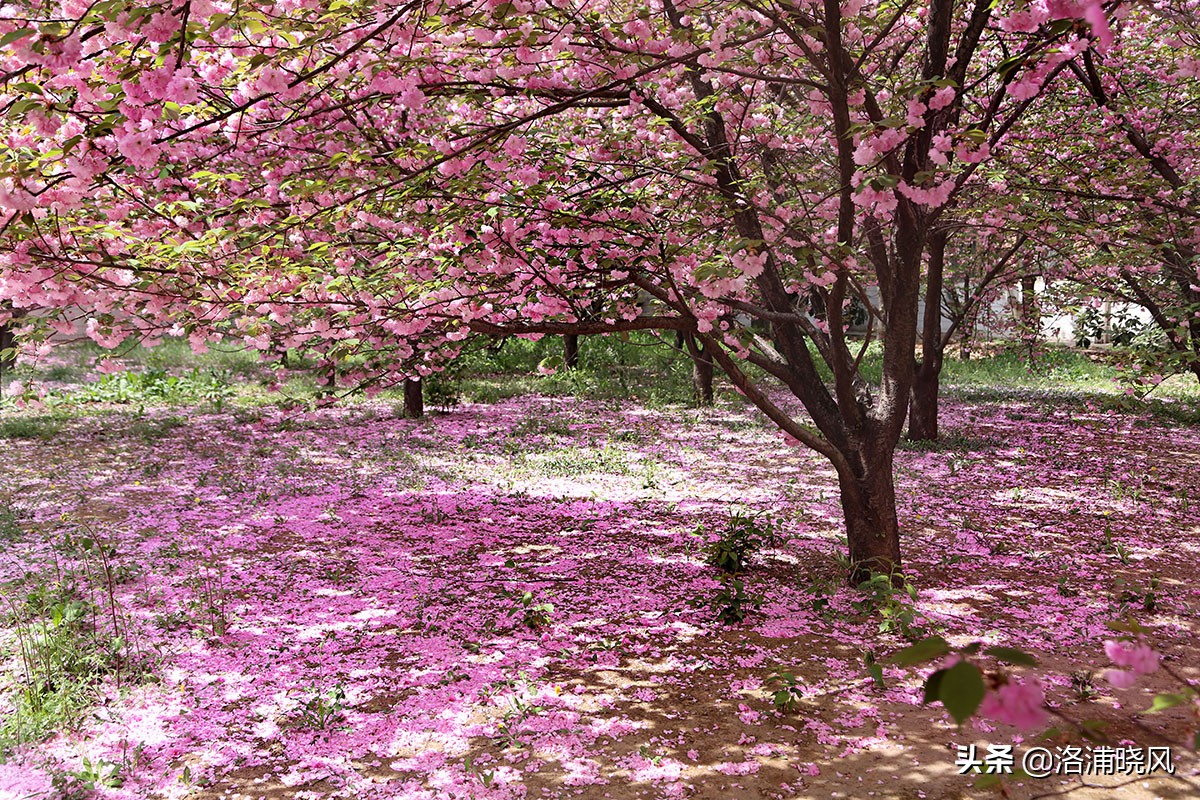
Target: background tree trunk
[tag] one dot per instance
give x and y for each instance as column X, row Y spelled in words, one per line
column 923, row 406
column 702, row 371
column 414, row 399
column 923, row 401
column 7, row 340
column 571, row 350
column 1031, row 317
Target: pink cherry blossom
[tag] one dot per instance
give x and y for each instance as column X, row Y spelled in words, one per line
column 1018, row 703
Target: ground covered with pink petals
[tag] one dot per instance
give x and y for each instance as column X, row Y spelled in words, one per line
column 513, row 600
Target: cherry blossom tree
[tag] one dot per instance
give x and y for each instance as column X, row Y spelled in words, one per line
column 1118, row 187
column 379, row 181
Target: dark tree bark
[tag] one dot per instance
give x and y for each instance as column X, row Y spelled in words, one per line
column 571, row 350
column 702, row 370
column 961, row 313
column 968, row 326
column 869, row 507
column 7, row 341
column 923, row 403
column 414, row 399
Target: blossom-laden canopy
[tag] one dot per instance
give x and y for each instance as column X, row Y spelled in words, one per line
column 383, row 177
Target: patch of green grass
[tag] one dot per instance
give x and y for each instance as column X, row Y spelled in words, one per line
column 63, row 373
column 10, row 521
column 540, row 426
column 494, row 388
column 176, row 353
column 570, row 461
column 156, row 386
column 956, row 441
column 151, row 430
column 43, row 427
column 1053, row 367
column 639, row 367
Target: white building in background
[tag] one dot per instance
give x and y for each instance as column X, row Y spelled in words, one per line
column 1056, row 328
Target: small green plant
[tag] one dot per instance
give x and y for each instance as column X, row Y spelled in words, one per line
column 155, row 386
column 892, row 598
column 1135, row 594
column 821, row 591
column 1113, row 547
column 1084, row 685
column 532, row 614
column 516, row 711
column 787, row 692
column 507, row 736
column 322, row 709
column 486, row 777
column 210, row 596
column 83, row 782
column 744, row 536
column 732, row 603
column 72, row 639
column 647, row 752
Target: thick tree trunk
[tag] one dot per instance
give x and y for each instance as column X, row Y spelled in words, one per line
column 869, row 507
column 571, row 350
column 414, row 399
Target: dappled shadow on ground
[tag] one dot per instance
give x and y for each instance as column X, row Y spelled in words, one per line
column 513, row 601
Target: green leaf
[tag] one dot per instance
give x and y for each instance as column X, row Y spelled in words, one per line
column 1129, row 626
column 19, row 108
column 1059, row 27
column 13, row 36
column 1166, row 700
column 962, row 690
column 1008, row 66
column 933, row 687
column 922, row 651
column 1011, row 655
column 875, row 670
